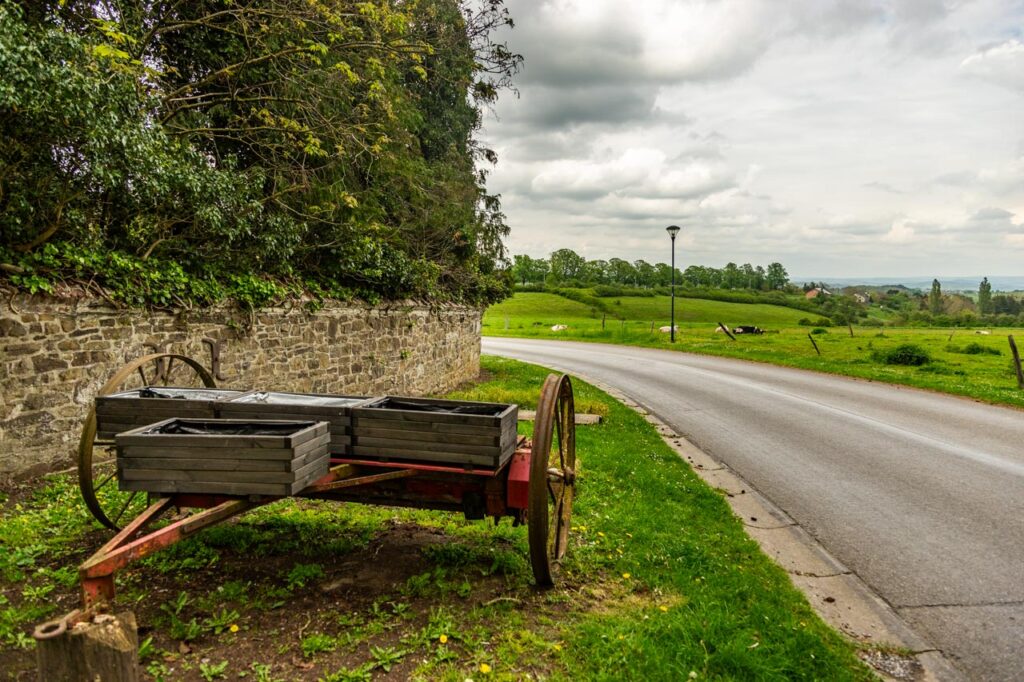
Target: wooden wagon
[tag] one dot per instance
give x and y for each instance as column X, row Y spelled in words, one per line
column 427, row 454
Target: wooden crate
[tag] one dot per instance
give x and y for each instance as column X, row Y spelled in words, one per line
column 129, row 410
column 432, row 430
column 277, row 458
column 336, row 410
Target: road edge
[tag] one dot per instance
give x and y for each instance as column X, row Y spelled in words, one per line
column 859, row 613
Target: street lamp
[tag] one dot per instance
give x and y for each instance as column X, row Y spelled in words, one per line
column 673, row 230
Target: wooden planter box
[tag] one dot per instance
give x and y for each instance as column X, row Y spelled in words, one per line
column 441, row 431
column 336, row 410
column 227, row 456
column 128, row 410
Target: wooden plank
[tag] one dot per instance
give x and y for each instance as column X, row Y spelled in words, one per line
column 139, row 437
column 423, row 446
column 247, row 411
column 274, row 489
column 247, row 454
column 319, row 465
column 492, row 438
column 411, row 416
column 380, row 421
column 419, row 455
column 207, row 464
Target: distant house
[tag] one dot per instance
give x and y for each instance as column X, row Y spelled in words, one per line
column 818, row 291
column 863, row 299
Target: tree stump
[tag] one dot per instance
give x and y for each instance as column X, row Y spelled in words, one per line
column 103, row 649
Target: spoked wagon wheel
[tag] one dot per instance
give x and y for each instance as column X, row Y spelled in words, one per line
column 97, row 474
column 552, row 478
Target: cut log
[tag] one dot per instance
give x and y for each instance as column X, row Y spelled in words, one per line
column 103, row 648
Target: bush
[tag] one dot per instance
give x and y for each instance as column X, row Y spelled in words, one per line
column 611, row 291
column 974, row 348
column 871, row 322
column 819, row 330
column 906, row 354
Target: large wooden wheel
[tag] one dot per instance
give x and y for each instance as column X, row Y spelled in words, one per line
column 552, row 478
column 97, row 472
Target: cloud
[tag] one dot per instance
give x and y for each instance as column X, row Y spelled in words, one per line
column 1002, row 64
column 832, row 135
column 901, row 232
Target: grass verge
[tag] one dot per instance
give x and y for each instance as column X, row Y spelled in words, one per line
column 661, row 582
column 962, row 362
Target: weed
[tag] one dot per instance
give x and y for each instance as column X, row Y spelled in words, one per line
column 262, row 671
column 317, row 643
column 386, row 657
column 363, row 673
column 185, row 632
column 302, row 574
column 213, row 671
column 219, row 622
column 146, row 649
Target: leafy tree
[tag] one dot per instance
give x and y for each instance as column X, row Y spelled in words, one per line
column 935, row 298
column 333, row 142
column 776, row 276
column 622, row 272
column 645, row 273
column 526, row 270
column 985, row 297
column 595, row 272
column 732, row 277
column 566, row 264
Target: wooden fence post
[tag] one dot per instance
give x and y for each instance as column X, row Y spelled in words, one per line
column 814, row 344
column 603, row 316
column 105, row 647
column 1016, row 362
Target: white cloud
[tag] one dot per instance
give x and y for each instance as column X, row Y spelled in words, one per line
column 1002, row 64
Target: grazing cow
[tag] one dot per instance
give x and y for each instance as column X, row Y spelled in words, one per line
column 666, row 329
column 982, row 331
column 559, row 327
column 747, row 329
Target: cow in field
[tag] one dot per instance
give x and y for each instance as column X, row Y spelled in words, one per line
column 747, row 329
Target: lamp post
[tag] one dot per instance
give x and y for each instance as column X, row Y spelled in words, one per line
column 673, row 230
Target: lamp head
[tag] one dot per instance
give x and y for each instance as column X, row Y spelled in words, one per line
column 673, row 230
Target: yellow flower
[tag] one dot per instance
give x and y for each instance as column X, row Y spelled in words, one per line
column 600, row 534
column 626, row 576
column 484, row 668
column 233, row 628
column 622, row 637
column 663, row 609
column 558, row 647
column 443, row 639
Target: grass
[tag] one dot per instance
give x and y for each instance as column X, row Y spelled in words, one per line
column 661, row 582
column 963, row 363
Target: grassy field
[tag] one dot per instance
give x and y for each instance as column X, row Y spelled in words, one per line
column 963, row 363
column 661, row 582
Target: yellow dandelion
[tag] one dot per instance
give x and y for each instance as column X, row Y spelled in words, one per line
column 443, row 639
column 484, row 668
column 622, row 637
column 663, row 609
column 233, row 628
column 600, row 534
column 558, row 647
column 626, row 576
column 618, row 550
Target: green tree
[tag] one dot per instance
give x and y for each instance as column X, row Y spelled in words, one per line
column 985, row 297
column 645, row 273
column 565, row 265
column 527, row 270
column 623, row 272
column 776, row 276
column 935, row 298
column 332, row 142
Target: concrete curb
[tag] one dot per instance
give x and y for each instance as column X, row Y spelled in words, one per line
column 837, row 594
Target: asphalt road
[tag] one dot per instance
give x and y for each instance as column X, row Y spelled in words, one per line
column 919, row 494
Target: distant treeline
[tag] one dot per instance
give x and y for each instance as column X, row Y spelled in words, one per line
column 566, row 268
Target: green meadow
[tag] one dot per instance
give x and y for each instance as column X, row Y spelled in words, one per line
column 963, row 362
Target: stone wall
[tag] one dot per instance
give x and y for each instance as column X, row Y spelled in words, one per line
column 55, row 355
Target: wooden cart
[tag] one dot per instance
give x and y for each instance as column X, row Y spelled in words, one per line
column 535, row 485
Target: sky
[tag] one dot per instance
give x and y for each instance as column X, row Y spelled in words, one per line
column 841, row 138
